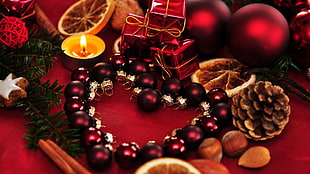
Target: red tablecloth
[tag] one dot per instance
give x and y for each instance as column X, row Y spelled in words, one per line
column 289, row 151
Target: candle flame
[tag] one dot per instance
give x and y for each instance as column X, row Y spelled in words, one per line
column 83, row 43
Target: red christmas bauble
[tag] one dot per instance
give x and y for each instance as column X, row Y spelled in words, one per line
column 74, row 104
column 99, row 157
column 257, row 34
column 146, row 80
column 192, row 136
column 127, row 155
column 300, row 32
column 148, row 100
column 102, row 71
column 138, row 66
column 174, row 146
column 206, row 23
column 81, row 74
column 172, row 86
column 79, row 120
column 151, row 150
column 216, row 95
column 76, row 88
column 91, row 136
column 195, row 93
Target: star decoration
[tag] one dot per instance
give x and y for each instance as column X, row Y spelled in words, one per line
column 8, row 85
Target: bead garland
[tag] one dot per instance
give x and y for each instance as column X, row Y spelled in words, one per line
column 85, row 86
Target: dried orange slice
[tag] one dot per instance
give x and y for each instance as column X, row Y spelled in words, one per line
column 225, row 73
column 86, row 16
column 167, row 165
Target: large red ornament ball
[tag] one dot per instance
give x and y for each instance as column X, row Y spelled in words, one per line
column 99, row 157
column 300, row 32
column 257, row 34
column 13, row 32
column 206, row 23
column 148, row 100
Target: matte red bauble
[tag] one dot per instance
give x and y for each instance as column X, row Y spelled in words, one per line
column 79, row 120
column 195, row 93
column 138, row 66
column 192, row 136
column 300, row 32
column 222, row 111
column 148, row 100
column 127, row 155
column 172, row 86
column 151, row 150
column 76, row 88
column 91, row 136
column 74, row 104
column 102, row 71
column 174, row 146
column 81, row 74
column 99, row 157
column 146, row 80
column 206, row 23
column 257, row 35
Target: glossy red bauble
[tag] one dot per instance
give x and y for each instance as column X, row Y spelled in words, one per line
column 102, row 71
column 300, row 32
column 172, row 86
column 146, row 80
column 195, row 94
column 216, row 95
column 148, row 100
column 206, row 22
column 208, row 124
column 91, row 136
column 174, row 146
column 79, row 120
column 119, row 62
column 257, row 35
column 74, row 104
column 76, row 88
column 192, row 136
column 81, row 74
column 151, row 150
column 138, row 66
column 127, row 155
column 99, row 157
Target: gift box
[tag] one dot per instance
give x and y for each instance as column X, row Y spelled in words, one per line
column 134, row 44
column 175, row 60
column 165, row 20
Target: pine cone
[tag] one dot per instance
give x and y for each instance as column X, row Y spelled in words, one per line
column 261, row 110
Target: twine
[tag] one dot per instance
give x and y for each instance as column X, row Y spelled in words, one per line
column 13, row 32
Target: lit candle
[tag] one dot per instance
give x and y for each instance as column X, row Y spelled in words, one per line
column 82, row 51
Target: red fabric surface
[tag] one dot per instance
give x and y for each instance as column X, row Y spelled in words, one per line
column 290, row 151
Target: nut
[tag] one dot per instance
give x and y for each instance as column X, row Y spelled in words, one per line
column 255, row 157
column 234, row 143
column 207, row 166
column 210, row 148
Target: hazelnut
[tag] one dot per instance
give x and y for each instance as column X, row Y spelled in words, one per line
column 234, row 143
column 210, row 148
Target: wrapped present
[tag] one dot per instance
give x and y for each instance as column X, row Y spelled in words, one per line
column 165, row 20
column 175, row 60
column 134, row 44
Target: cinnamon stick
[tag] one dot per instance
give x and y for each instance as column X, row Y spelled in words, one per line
column 45, row 22
column 77, row 167
column 57, row 159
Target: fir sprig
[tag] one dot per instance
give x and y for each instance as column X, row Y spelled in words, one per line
column 32, row 61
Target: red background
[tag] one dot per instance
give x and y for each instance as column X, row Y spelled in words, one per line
column 290, row 151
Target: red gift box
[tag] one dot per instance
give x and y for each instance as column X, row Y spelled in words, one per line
column 165, row 20
column 175, row 60
column 133, row 42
